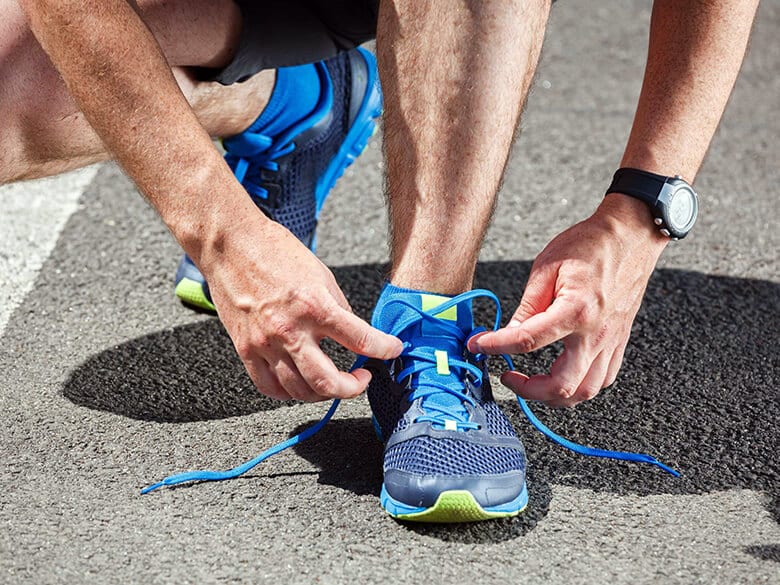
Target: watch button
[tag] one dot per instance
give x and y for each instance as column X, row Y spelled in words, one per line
column 658, row 221
column 666, row 232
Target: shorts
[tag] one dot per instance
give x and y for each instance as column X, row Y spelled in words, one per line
column 282, row 33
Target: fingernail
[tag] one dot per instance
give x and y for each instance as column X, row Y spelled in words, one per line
column 514, row 323
column 475, row 341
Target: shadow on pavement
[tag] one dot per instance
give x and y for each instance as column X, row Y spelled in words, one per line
column 185, row 374
column 699, row 389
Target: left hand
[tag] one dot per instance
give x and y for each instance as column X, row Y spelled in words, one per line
column 585, row 287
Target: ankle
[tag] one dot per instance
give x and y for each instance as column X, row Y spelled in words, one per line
column 440, row 282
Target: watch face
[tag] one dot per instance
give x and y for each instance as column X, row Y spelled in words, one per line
column 681, row 209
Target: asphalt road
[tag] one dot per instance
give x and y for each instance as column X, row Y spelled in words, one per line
column 109, row 384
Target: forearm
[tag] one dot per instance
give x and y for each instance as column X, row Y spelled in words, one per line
column 118, row 76
column 696, row 50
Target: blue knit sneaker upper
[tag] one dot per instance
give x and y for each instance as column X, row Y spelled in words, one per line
column 434, row 407
column 282, row 158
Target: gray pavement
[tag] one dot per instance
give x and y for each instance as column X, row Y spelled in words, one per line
column 109, row 384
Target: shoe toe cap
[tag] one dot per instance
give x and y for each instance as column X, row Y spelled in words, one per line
column 424, row 490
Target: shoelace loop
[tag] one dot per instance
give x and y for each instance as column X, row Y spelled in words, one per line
column 421, row 360
column 205, row 475
column 250, row 154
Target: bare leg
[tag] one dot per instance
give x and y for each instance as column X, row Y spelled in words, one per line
column 455, row 76
column 43, row 133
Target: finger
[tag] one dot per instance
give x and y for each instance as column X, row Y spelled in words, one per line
column 614, row 365
column 325, row 379
column 537, row 297
column 561, row 384
column 265, row 382
column 594, row 380
column 539, row 293
column 293, row 382
column 558, row 321
column 356, row 335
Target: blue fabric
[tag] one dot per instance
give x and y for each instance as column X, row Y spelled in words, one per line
column 399, row 309
column 295, row 95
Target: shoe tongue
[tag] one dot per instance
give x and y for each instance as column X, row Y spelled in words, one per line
column 430, row 334
column 387, row 317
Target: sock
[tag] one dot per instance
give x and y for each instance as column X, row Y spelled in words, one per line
column 295, row 96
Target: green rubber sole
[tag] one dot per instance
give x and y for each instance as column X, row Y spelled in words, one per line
column 455, row 506
column 191, row 293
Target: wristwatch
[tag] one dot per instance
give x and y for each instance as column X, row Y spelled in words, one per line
column 673, row 202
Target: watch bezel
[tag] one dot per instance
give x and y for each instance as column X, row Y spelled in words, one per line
column 670, row 189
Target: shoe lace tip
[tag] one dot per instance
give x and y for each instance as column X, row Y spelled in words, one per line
column 152, row 487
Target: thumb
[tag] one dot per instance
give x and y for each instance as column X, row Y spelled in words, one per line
column 538, row 296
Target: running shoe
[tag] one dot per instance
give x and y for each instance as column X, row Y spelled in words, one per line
column 317, row 122
column 451, row 455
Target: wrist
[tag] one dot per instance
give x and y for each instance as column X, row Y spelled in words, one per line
column 632, row 220
column 211, row 209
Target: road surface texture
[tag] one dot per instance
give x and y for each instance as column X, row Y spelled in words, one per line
column 108, row 383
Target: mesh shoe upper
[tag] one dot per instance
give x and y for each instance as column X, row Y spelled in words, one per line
column 317, row 122
column 281, row 172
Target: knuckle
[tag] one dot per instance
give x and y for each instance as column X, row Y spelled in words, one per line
column 324, row 386
column 564, row 391
column 326, row 311
column 311, row 303
column 363, row 342
column 526, row 342
column 601, row 335
column 581, row 311
column 244, row 349
column 280, row 329
column 585, row 310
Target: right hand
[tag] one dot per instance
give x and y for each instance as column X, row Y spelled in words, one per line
column 277, row 301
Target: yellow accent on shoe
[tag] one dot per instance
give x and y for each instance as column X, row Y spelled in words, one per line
column 432, row 301
column 442, row 365
column 191, row 293
column 455, row 506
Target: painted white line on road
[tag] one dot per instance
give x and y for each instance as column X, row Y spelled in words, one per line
column 33, row 215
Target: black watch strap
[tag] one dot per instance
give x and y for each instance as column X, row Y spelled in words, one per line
column 640, row 184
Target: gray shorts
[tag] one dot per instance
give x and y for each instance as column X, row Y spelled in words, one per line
column 282, row 33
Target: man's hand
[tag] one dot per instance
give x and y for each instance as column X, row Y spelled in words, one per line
column 585, row 288
column 277, row 301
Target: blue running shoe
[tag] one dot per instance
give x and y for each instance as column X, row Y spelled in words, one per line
column 317, row 122
column 451, row 455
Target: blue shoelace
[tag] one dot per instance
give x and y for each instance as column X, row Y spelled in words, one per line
column 421, row 361
column 252, row 152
